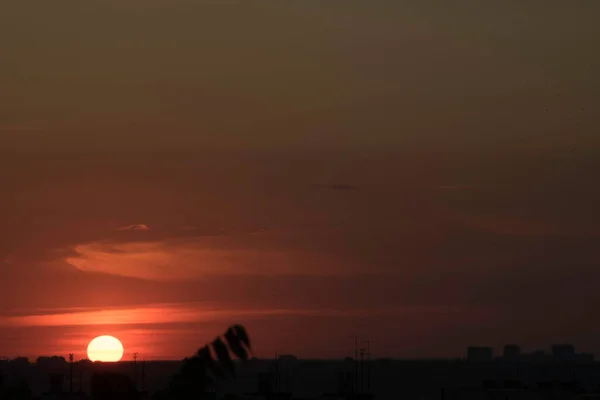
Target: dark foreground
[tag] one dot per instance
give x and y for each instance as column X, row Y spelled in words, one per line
column 313, row 379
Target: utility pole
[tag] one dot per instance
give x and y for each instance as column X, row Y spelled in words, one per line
column 135, row 370
column 70, row 372
column 355, row 337
column 362, row 369
column 368, row 343
column 143, row 375
column 276, row 374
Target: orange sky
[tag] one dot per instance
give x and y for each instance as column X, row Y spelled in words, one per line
column 408, row 171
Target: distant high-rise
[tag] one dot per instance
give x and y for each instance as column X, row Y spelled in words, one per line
column 585, row 358
column 479, row 353
column 287, row 358
column 538, row 356
column 563, row 352
column 512, row 352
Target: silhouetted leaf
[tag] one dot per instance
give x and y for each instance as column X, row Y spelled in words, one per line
column 235, row 344
column 206, row 358
column 204, row 354
column 192, row 380
column 242, row 334
column 223, row 355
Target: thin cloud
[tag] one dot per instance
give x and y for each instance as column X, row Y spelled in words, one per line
column 451, row 187
column 134, row 227
column 198, row 257
column 183, row 313
column 342, row 187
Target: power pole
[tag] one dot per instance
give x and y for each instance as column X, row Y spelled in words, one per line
column 369, row 366
column 135, row 370
column 362, row 369
column 355, row 337
column 368, row 343
column 143, row 375
column 70, row 372
column 277, row 373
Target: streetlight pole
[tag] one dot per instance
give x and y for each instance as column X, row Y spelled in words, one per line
column 135, row 370
column 368, row 343
column 70, row 372
column 355, row 337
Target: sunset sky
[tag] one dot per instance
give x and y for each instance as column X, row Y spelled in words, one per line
column 422, row 173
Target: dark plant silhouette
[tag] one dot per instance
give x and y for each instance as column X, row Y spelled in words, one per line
column 213, row 361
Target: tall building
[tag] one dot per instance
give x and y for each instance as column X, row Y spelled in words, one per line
column 480, row 353
column 563, row 352
column 512, row 352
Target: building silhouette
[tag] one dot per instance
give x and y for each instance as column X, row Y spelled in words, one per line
column 512, row 352
column 480, row 353
column 563, row 352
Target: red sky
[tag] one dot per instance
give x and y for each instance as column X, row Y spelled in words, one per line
column 416, row 174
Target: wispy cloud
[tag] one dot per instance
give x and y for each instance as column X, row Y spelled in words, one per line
column 342, row 186
column 452, row 187
column 181, row 313
column 134, row 227
column 197, row 257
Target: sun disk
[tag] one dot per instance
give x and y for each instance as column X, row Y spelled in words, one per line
column 105, row 348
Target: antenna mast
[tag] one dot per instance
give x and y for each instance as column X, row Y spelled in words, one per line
column 355, row 337
column 70, row 372
column 368, row 343
column 143, row 375
column 276, row 373
column 135, row 370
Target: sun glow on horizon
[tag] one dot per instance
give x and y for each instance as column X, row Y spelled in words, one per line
column 105, row 348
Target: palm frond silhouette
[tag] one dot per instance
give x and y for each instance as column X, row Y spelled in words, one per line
column 215, row 360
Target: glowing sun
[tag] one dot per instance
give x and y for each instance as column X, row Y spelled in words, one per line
column 105, row 348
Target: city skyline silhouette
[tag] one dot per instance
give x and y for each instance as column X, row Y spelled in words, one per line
column 390, row 197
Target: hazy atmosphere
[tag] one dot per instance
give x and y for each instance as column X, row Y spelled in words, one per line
column 419, row 172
